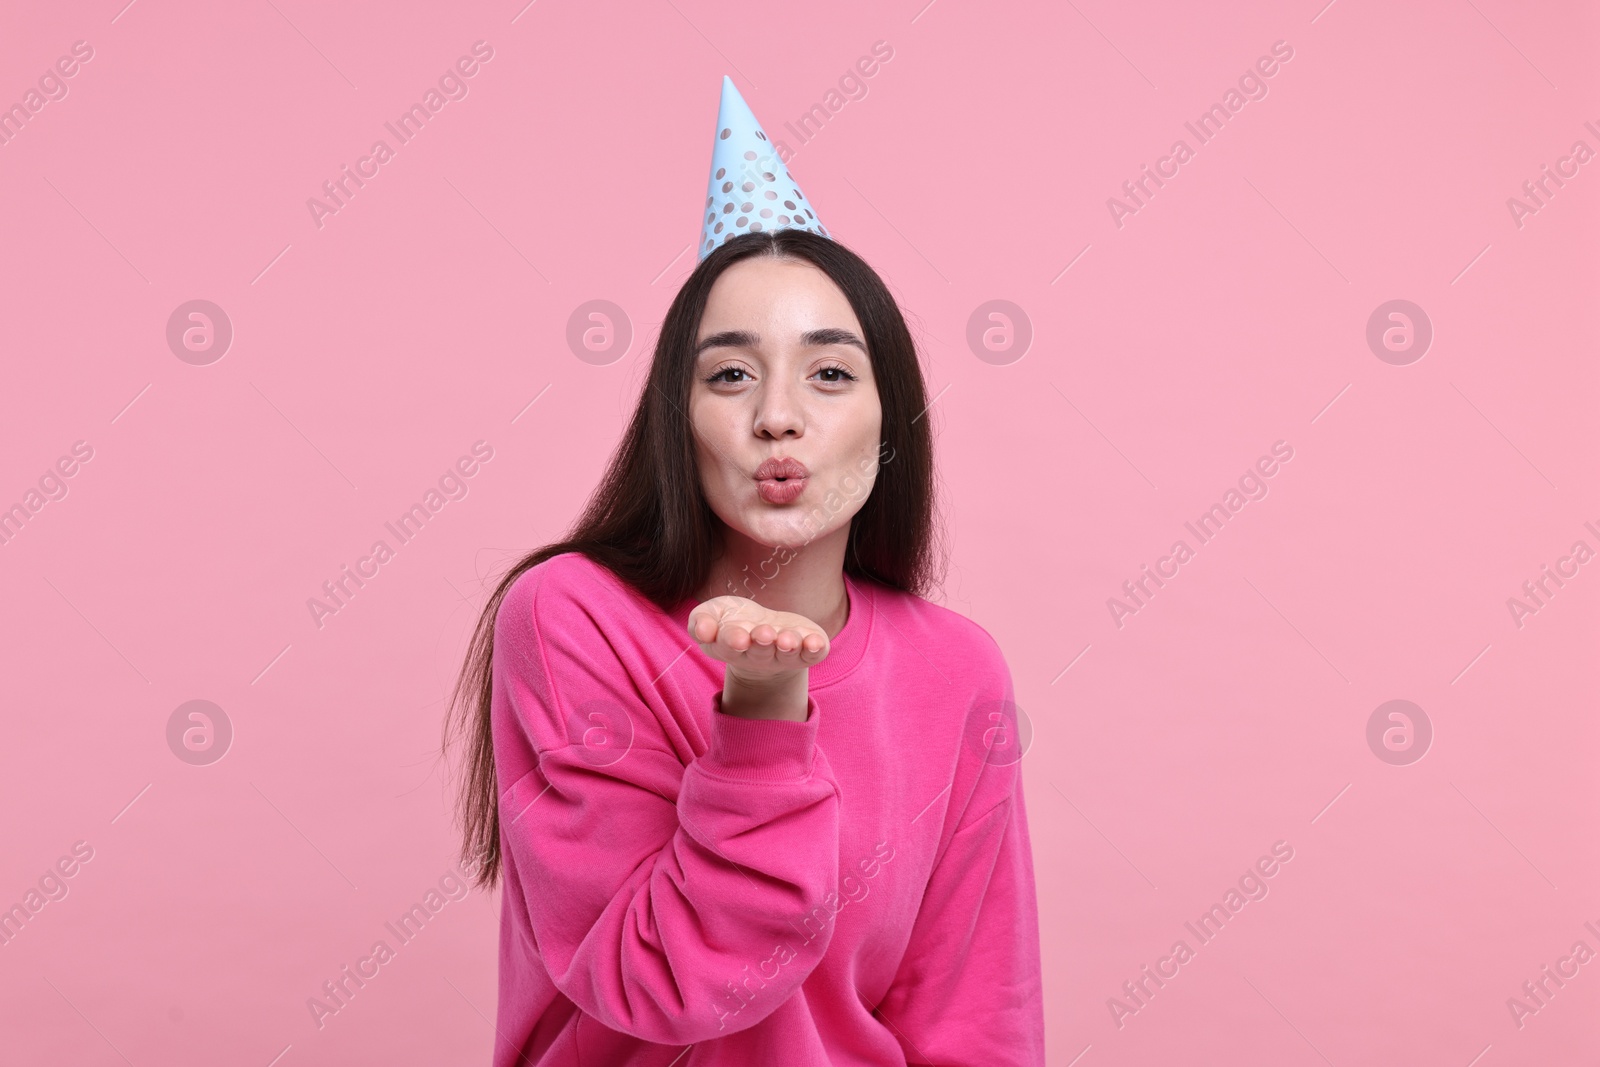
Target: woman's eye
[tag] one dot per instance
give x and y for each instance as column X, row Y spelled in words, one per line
column 832, row 375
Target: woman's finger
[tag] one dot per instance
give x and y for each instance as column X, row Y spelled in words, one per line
column 704, row 624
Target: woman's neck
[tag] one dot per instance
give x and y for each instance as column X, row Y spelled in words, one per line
column 808, row 580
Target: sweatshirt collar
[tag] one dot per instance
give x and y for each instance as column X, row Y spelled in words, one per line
column 849, row 644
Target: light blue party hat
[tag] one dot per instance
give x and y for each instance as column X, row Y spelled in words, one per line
column 750, row 188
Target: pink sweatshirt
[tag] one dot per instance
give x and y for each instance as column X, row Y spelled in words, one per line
column 688, row 888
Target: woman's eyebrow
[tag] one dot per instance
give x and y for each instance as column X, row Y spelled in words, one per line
column 831, row 335
column 728, row 339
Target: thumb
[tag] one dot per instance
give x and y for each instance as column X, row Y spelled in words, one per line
column 718, row 610
column 706, row 619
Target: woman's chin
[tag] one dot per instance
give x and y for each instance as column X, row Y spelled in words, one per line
column 780, row 531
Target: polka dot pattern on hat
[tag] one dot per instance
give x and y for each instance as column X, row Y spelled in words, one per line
column 750, row 189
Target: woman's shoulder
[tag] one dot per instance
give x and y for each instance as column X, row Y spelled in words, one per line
column 566, row 589
column 567, row 572
column 932, row 625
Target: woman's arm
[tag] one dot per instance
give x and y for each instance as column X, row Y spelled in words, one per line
column 968, row 990
column 651, row 886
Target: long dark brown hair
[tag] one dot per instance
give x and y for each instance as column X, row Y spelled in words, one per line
column 648, row 521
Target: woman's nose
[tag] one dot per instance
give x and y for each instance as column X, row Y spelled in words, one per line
column 778, row 411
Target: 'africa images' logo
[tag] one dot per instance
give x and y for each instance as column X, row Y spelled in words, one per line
column 999, row 731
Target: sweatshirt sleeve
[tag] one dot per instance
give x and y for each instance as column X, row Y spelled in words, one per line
column 968, row 991
column 654, row 889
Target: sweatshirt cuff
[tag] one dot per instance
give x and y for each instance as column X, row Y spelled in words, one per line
column 760, row 750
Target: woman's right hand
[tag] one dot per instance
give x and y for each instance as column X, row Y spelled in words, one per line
column 767, row 654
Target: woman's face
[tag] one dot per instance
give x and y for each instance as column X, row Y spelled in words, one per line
column 782, row 373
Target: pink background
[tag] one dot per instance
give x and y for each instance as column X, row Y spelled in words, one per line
column 1230, row 312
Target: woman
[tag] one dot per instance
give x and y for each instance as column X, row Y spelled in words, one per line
column 757, row 801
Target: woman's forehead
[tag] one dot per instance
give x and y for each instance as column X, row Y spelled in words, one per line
column 776, row 300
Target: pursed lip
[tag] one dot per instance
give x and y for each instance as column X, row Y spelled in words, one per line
column 775, row 467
